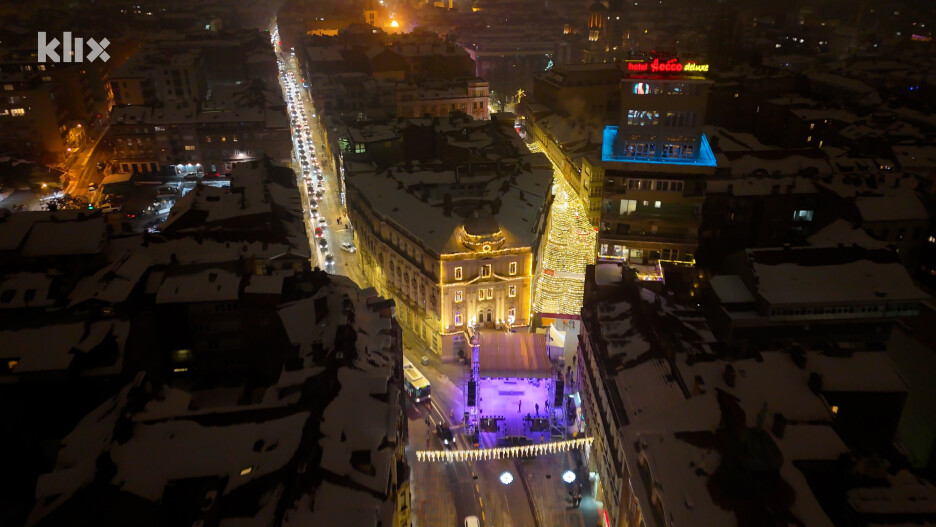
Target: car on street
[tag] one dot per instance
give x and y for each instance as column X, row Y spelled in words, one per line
column 319, row 233
column 318, row 194
column 322, row 223
column 445, row 435
column 167, row 192
column 424, row 360
column 472, row 521
column 313, row 213
column 323, row 243
column 348, row 247
column 329, row 261
column 100, row 167
column 92, row 187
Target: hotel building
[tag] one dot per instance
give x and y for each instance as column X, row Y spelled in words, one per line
column 656, row 163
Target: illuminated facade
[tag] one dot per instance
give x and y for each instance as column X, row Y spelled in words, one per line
column 606, row 22
column 656, row 163
column 451, row 263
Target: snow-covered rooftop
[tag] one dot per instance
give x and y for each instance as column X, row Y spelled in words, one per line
column 158, row 453
column 858, row 281
column 54, row 347
column 113, row 283
column 840, row 233
column 67, row 238
column 761, row 185
column 901, row 207
column 208, row 285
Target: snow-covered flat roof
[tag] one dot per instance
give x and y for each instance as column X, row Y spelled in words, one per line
column 811, row 442
column 859, row 281
column 648, row 388
column 731, row 289
column 775, row 379
column 866, row 371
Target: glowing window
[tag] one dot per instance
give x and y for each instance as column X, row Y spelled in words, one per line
column 512, row 268
column 458, row 318
column 489, row 293
column 480, row 294
column 486, row 270
column 512, row 291
column 458, row 296
column 458, row 273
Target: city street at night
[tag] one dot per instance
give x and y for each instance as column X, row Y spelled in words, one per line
column 468, row 263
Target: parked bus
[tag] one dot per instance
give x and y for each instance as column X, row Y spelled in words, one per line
column 417, row 386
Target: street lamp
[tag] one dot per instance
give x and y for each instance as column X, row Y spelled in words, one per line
column 506, row 478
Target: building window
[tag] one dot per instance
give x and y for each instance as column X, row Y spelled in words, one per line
column 511, row 291
column 458, row 318
column 17, row 112
column 486, row 270
column 512, row 268
column 657, row 204
column 802, row 215
column 458, row 273
column 480, row 294
column 511, row 315
column 458, row 296
column 489, row 293
column 207, row 138
column 190, row 147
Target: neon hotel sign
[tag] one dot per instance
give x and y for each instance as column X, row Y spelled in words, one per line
column 670, row 66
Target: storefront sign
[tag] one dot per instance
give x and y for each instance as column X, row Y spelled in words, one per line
column 669, row 66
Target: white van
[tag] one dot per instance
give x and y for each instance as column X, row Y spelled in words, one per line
column 472, row 521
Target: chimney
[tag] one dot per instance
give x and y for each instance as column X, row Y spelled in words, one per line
column 798, row 356
column 729, row 375
column 815, row 382
column 779, row 425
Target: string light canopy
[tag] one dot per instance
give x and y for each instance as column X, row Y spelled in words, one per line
column 484, row 454
column 570, row 247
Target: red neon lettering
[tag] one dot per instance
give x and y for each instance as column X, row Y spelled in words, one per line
column 636, row 66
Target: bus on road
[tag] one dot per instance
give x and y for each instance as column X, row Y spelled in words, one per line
column 417, row 386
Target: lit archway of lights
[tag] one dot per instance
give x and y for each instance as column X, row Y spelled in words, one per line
column 484, row 454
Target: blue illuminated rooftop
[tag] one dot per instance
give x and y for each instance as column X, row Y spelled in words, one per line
column 706, row 157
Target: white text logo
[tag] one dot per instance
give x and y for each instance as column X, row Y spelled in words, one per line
column 72, row 49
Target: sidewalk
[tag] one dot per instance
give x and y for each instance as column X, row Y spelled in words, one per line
column 549, row 494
